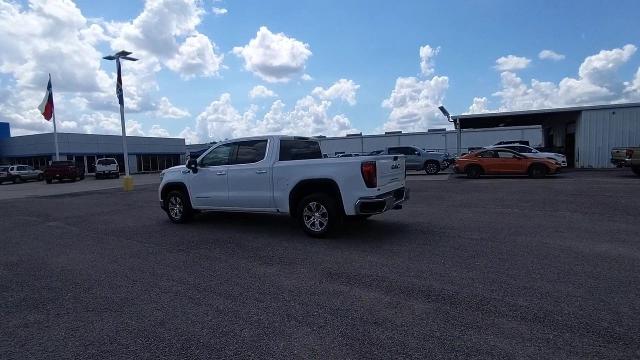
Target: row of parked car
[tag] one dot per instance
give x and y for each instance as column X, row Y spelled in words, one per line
column 509, row 158
column 57, row 170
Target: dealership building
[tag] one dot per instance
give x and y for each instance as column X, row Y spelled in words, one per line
column 146, row 154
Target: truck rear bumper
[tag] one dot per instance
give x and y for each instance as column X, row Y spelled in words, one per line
column 382, row 203
column 620, row 162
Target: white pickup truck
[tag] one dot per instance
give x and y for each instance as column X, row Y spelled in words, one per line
column 284, row 174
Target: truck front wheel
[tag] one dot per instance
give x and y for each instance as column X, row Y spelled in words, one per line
column 318, row 215
column 178, row 207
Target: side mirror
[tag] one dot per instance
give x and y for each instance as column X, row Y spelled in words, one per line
column 418, row 153
column 192, row 165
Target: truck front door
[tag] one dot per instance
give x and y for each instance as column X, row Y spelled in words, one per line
column 209, row 186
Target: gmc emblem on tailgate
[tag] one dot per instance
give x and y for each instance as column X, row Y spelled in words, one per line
column 395, row 166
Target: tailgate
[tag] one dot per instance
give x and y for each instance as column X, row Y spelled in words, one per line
column 390, row 169
column 619, row 153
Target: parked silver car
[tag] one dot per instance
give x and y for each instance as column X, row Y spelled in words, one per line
column 20, row 173
column 418, row 159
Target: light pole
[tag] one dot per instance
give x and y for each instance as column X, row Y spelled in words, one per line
column 456, row 124
column 123, row 54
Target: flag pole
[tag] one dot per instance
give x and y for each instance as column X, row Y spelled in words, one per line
column 55, row 135
column 55, row 130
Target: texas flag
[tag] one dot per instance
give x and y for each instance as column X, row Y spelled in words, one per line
column 46, row 106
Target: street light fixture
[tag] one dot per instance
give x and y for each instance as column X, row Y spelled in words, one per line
column 125, row 56
column 456, row 123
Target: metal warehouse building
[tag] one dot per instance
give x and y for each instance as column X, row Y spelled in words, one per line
column 435, row 139
column 146, row 154
column 585, row 134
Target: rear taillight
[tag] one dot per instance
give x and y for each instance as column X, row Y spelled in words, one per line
column 629, row 153
column 369, row 173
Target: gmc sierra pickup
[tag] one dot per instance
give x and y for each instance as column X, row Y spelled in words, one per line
column 284, row 174
column 626, row 156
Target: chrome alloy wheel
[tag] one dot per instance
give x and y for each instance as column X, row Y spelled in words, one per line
column 176, row 207
column 315, row 216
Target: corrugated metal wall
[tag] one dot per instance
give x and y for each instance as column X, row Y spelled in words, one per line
column 597, row 131
column 440, row 141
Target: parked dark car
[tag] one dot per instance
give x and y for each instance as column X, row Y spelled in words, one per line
column 63, row 170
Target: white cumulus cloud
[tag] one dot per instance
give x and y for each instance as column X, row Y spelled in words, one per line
column 597, row 83
column 342, row 89
column 511, row 63
column 261, row 91
column 427, row 55
column 274, row 57
column 550, row 55
column 219, row 11
column 413, row 103
column 167, row 110
column 308, row 117
column 158, row 131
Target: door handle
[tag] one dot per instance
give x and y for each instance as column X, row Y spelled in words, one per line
column 261, row 171
column 221, row 173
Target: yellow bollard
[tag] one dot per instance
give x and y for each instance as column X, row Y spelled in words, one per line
column 127, row 183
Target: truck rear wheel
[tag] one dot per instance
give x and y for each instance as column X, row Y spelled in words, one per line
column 318, row 215
column 636, row 170
column 178, row 207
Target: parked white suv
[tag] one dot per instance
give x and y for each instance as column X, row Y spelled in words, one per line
column 20, row 173
column 531, row 152
column 284, row 174
column 107, row 167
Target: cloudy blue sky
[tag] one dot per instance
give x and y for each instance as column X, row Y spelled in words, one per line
column 220, row 69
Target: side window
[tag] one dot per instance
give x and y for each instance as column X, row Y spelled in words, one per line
column 299, row 150
column 487, row 154
column 523, row 150
column 395, row 151
column 22, row 168
column 410, row 151
column 250, row 151
column 505, row 154
column 218, row 156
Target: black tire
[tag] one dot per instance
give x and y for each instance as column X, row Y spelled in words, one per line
column 319, row 215
column 117, row 176
column 538, row 171
column 48, row 180
column 40, row 177
column 178, row 207
column 636, row 170
column 82, row 177
column 473, row 171
column 432, row 167
column 98, row 176
column 17, row 180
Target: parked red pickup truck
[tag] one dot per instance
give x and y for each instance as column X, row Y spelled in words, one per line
column 60, row 170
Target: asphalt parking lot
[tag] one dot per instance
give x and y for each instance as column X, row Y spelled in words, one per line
column 489, row 268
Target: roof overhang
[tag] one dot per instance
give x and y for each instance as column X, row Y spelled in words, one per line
column 529, row 117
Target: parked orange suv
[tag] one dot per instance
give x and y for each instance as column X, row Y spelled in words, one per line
column 504, row 162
